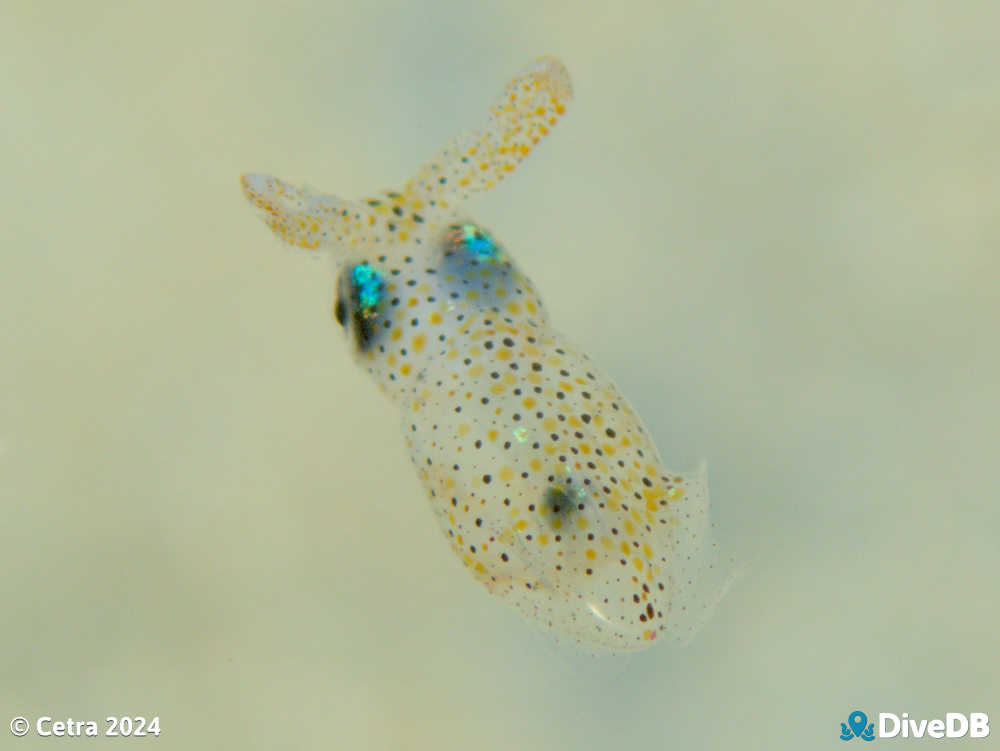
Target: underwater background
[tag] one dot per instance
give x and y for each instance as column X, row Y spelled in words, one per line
column 775, row 224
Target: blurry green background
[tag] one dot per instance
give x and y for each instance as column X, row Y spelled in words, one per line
column 774, row 223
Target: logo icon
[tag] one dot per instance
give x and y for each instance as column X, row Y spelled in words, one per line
column 857, row 726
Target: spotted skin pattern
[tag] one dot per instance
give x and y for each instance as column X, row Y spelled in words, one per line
column 540, row 473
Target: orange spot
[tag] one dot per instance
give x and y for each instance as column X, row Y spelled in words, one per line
column 418, row 343
column 435, row 318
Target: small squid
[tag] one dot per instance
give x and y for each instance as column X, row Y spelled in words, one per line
column 540, row 473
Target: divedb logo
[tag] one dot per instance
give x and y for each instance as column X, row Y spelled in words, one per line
column 953, row 725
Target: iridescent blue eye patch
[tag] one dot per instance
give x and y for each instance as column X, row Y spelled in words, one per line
column 473, row 240
column 365, row 292
column 368, row 287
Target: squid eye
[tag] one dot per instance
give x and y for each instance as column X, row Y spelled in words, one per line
column 365, row 290
column 475, row 241
column 368, row 288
